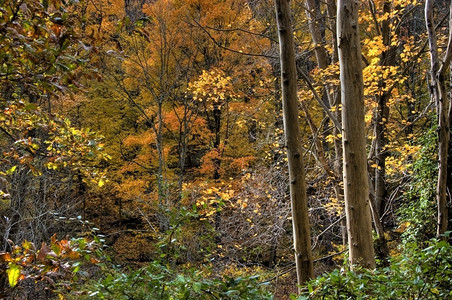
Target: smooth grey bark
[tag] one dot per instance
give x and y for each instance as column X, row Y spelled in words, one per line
column 298, row 196
column 356, row 187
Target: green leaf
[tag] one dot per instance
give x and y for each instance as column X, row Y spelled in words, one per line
column 443, row 244
column 197, row 286
column 13, row 274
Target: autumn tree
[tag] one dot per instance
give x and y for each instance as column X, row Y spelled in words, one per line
column 186, row 105
column 356, row 188
column 47, row 164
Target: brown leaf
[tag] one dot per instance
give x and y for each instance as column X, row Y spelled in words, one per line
column 53, row 240
column 44, row 252
column 5, row 257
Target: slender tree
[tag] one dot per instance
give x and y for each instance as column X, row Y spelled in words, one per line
column 356, row 186
column 298, row 196
column 317, row 25
column 438, row 90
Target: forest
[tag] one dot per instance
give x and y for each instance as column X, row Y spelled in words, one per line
column 225, row 149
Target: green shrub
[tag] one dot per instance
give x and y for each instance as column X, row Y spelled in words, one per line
column 415, row 274
column 157, row 281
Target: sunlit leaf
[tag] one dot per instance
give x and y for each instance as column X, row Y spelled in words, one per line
column 11, row 170
column 13, row 274
column 101, row 182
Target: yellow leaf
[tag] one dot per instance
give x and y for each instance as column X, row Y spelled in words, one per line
column 101, row 182
column 13, row 274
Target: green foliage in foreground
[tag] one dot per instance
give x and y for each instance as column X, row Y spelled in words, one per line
column 156, row 281
column 415, row 274
column 418, row 210
column 79, row 269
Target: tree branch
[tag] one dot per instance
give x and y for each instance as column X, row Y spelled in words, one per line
column 229, row 49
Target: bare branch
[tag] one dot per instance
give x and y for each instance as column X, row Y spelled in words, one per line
column 307, row 80
column 229, row 49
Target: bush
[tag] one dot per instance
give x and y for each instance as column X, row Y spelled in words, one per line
column 415, row 274
column 28, row 273
column 157, row 281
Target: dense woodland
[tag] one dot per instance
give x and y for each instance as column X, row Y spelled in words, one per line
column 225, row 149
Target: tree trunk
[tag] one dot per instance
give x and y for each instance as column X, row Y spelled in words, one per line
column 387, row 58
column 317, row 27
column 298, row 196
column 381, row 245
column 336, row 100
column 162, row 199
column 216, row 143
column 356, row 186
column 443, row 108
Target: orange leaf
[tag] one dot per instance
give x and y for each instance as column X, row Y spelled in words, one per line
column 73, row 255
column 5, row 257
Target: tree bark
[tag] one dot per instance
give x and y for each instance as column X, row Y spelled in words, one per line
column 298, row 196
column 387, row 58
column 317, row 27
column 438, row 72
column 356, row 187
column 379, row 194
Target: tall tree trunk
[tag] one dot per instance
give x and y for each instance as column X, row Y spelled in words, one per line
column 438, row 72
column 378, row 195
column 317, row 27
column 387, row 58
column 298, row 196
column 162, row 198
column 216, row 143
column 336, row 100
column 356, row 186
